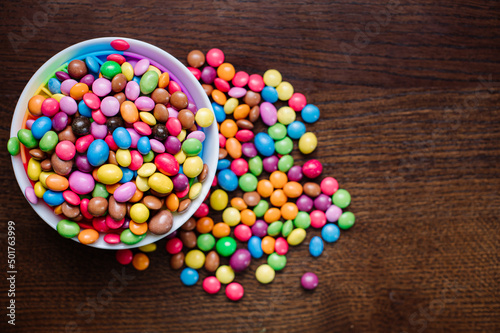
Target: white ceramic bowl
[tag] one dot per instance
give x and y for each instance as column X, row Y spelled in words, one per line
column 177, row 70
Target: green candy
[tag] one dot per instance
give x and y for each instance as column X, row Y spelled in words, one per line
column 110, row 68
column 205, row 242
column 129, row 238
column 341, row 198
column 302, row 220
column 261, row 208
column 13, row 146
column 255, row 166
column 225, row 246
column 49, row 141
column 287, row 228
column 248, row 182
column 346, row 220
column 276, row 261
column 275, row 228
column 100, row 191
column 284, row 146
column 285, row 163
column 67, row 228
column 27, row 138
column 277, row 131
column 149, row 156
column 192, row 147
column 149, row 81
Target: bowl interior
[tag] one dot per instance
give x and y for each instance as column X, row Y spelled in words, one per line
column 178, row 72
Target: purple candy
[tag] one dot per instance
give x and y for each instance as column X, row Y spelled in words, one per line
column 126, row 224
column 29, row 192
column 135, row 137
column 62, row 76
column 132, row 90
column 59, row 121
column 68, row 105
column 88, row 79
column 180, row 182
column 295, row 173
column 29, row 122
column 157, row 146
column 208, row 74
column 110, row 106
column 268, row 113
column 82, row 163
column 172, row 235
column 270, row 163
column 98, row 131
column 333, row 213
column 101, row 87
column 237, row 92
column 304, row 203
column 322, row 202
column 192, row 107
column 309, row 281
column 248, row 149
column 240, row 260
column 197, row 135
column 172, row 145
column 67, row 85
column 259, row 228
column 145, row 103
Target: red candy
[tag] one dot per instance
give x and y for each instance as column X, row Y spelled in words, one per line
column 142, row 128
column 109, row 140
column 211, row 285
column 124, row 257
column 222, row 85
column 234, row 291
column 196, row 72
column 120, row 45
column 281, row 246
column 50, row 107
column 312, row 168
column 240, row 79
column 174, row 126
column 112, row 238
column 173, row 87
column 92, row 100
column 256, row 83
column 99, row 117
column 222, row 141
column 202, row 211
column 318, row 219
column 167, row 164
column 137, row 160
column 329, row 185
column 84, row 205
column 99, row 224
column 244, row 135
column 71, row 197
column 112, row 223
column 297, row 101
column 215, row 57
column 174, row 245
column 116, row 58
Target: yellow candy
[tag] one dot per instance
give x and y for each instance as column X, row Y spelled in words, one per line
column 109, row 174
column 128, row 71
column 218, row 200
column 231, row 216
column 180, row 156
column 230, row 105
column 160, row 183
column 39, row 189
column 148, row 118
column 192, row 166
column 43, row 176
column 57, row 97
column 182, row 135
column 146, row 170
column 34, row 169
column 204, row 117
column 224, row 274
column 195, row 191
column 195, row 259
column 153, row 68
column 265, row 274
column 142, row 183
column 296, row 236
column 286, row 115
column 308, row 143
column 148, row 248
column 123, row 157
column 272, row 78
column 139, row 213
column 285, row 91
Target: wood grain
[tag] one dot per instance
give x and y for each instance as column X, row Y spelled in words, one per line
column 410, row 126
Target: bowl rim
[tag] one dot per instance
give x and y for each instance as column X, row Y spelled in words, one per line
column 181, row 73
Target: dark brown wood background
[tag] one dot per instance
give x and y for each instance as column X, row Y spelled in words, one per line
column 410, row 126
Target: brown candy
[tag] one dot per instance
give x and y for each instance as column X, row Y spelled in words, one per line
column 161, row 223
column 184, row 205
column 212, row 261
column 204, row 173
column 112, row 158
column 177, row 260
column 37, row 154
column 208, row 89
column 222, row 153
column 186, row 118
column 77, row 69
column 61, row 167
column 196, row 58
column 70, row 211
column 152, row 202
column 118, row 83
column 158, row 194
column 98, row 206
column 254, row 114
column 117, row 210
column 189, row 225
column 161, row 113
column 188, row 238
column 252, row 98
column 244, row 124
column 312, row 189
column 251, row 198
column 121, row 97
column 67, row 134
column 179, row 100
column 46, row 165
column 78, row 218
column 160, row 96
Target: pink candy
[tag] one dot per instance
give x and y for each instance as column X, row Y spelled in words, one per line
column 211, row 285
column 68, row 105
column 110, row 106
column 92, row 100
column 113, row 224
column 281, row 246
column 333, row 213
column 29, row 192
column 329, row 185
column 141, row 67
column 125, row 192
column 112, row 238
column 167, row 164
column 132, row 90
column 240, row 79
column 65, row 150
column 81, row 183
column 318, row 219
column 242, row 232
column 297, row 101
column 101, row 87
column 50, row 107
column 71, row 197
column 215, row 57
column 256, row 83
column 144, row 103
column 312, row 168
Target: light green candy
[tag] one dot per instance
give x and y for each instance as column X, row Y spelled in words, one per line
column 341, row 198
column 285, row 163
column 255, row 165
column 276, row 261
column 248, row 182
column 67, row 228
column 302, row 220
column 27, row 139
column 277, row 131
column 149, row 157
column 100, row 191
column 275, row 228
column 287, row 228
column 284, row 146
column 13, row 146
column 149, row 82
column 192, row 147
column 261, row 208
column 49, row 141
column 346, row 220
column 129, row 238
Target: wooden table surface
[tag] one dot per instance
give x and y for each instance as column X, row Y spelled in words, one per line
column 410, row 125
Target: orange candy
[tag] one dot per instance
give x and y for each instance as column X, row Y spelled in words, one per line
column 129, row 112
column 226, row 71
column 238, row 203
column 289, row 211
column 138, row 228
column 248, row 217
column 272, row 215
column 172, row 202
column 35, row 105
column 278, row 198
column 112, row 188
column 78, row 90
column 219, row 97
column 140, row 261
column 293, row 189
column 58, row 210
column 163, row 80
column 265, row 188
column 268, row 244
column 278, row 179
column 204, row 225
column 57, row 183
column 228, row 128
column 241, row 111
column 137, row 195
column 221, row 229
column 88, row 236
column 94, row 174
column 233, row 148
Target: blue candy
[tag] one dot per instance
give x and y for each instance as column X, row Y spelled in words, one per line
column 223, row 164
column 316, row 246
column 136, row 79
column 92, row 64
column 228, row 180
column 296, row 129
column 310, row 113
column 143, row 145
column 54, row 86
column 330, row 232
column 84, row 110
column 128, row 175
column 122, row 138
column 189, row 276
column 219, row 113
column 41, row 126
column 269, row 94
column 255, row 247
column 264, row 144
column 53, row 198
column 98, row 152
